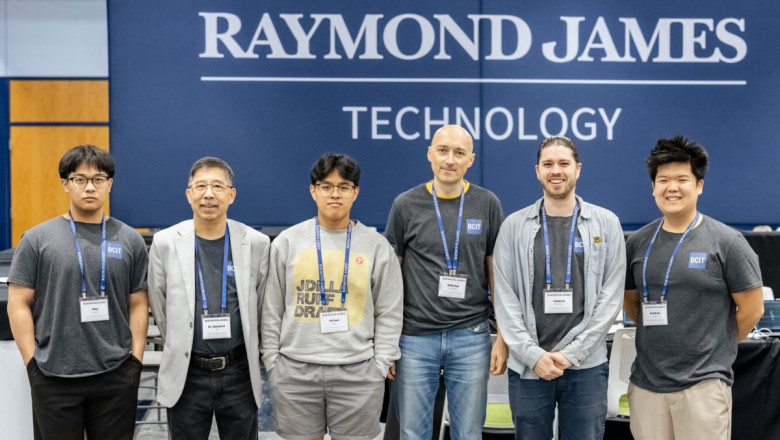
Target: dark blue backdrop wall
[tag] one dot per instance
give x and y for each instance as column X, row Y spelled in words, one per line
column 269, row 86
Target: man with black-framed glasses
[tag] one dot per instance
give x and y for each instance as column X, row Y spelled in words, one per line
column 78, row 309
column 331, row 315
column 206, row 280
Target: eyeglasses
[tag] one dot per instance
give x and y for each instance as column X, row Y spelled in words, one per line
column 217, row 188
column 326, row 189
column 81, row 182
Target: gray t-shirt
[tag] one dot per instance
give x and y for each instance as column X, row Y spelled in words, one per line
column 413, row 230
column 551, row 328
column 46, row 261
column 210, row 254
column 700, row 341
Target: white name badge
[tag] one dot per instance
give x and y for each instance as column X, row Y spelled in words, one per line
column 334, row 322
column 216, row 327
column 452, row 286
column 558, row 301
column 654, row 314
column 94, row 309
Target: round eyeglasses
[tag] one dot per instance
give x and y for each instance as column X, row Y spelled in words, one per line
column 81, row 182
column 217, row 188
column 327, row 189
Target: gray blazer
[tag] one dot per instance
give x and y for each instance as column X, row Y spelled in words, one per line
column 172, row 297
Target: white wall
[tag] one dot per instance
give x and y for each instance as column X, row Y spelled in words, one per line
column 53, row 38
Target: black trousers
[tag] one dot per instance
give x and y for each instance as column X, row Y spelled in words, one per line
column 103, row 405
column 225, row 394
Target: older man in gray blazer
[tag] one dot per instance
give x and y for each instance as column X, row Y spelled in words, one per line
column 206, row 278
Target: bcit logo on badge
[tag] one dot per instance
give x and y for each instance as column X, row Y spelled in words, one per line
column 231, row 269
column 473, row 226
column 578, row 247
column 114, row 250
column 697, row 260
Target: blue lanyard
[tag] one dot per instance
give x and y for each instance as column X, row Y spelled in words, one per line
column 81, row 259
column 548, row 271
column 671, row 260
column 324, row 300
column 452, row 265
column 224, row 274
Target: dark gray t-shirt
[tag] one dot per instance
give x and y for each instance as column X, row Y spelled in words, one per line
column 551, row 328
column 413, row 230
column 45, row 260
column 700, row 341
column 210, row 254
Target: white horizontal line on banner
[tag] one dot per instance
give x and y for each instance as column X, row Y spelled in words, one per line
column 628, row 82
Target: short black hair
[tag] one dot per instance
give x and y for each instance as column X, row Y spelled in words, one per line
column 89, row 155
column 212, row 162
column 562, row 141
column 678, row 149
column 347, row 167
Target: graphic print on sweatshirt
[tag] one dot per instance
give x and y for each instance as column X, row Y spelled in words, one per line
column 307, row 304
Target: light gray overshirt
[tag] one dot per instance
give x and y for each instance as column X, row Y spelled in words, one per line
column 604, row 275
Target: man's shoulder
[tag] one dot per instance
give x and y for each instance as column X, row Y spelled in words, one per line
column 369, row 234
column 642, row 234
column 716, row 227
column 290, row 234
column 253, row 235
column 45, row 228
column 481, row 191
column 412, row 194
column 521, row 215
column 600, row 212
column 125, row 230
column 720, row 234
column 174, row 231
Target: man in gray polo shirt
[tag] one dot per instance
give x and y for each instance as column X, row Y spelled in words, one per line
column 78, row 309
column 559, row 267
column 693, row 286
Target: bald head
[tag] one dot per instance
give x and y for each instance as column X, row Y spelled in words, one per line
column 451, row 153
column 453, row 134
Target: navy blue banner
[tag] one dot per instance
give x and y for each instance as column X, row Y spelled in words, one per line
column 270, row 86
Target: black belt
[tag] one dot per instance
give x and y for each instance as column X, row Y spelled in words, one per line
column 218, row 362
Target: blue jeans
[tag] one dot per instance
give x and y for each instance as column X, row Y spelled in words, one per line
column 464, row 356
column 226, row 395
column 581, row 396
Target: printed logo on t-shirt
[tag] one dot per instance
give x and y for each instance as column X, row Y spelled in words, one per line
column 114, row 250
column 578, row 247
column 473, row 226
column 231, row 269
column 697, row 260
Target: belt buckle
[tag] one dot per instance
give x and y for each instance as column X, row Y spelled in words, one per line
column 223, row 360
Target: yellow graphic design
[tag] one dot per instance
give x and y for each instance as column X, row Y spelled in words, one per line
column 306, row 303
